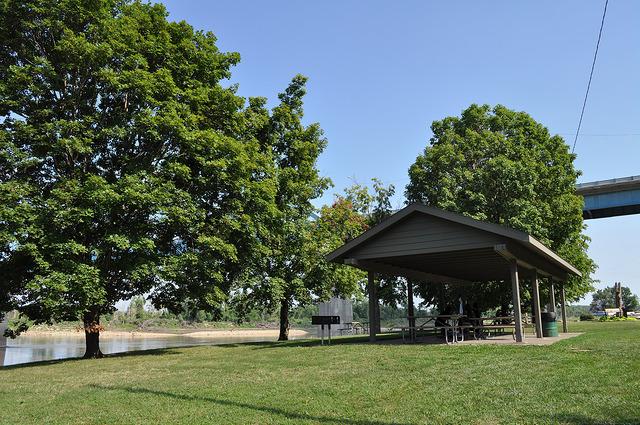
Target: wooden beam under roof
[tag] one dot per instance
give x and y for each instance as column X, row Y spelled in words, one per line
column 384, row 268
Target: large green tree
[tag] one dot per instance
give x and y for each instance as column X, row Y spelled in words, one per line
column 502, row 166
column 125, row 166
column 291, row 270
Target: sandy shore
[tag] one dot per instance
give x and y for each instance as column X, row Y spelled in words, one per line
column 104, row 334
column 244, row 333
column 212, row 334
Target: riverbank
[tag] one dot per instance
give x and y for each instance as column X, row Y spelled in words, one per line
column 205, row 333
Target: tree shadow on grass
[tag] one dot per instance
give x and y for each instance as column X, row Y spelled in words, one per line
column 39, row 363
column 359, row 339
column 168, row 351
column 264, row 409
column 150, row 352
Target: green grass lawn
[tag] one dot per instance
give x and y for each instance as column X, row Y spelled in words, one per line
column 590, row 379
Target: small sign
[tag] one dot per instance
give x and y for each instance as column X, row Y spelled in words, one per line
column 325, row 320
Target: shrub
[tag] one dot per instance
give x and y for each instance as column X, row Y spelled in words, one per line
column 615, row 319
column 586, row 316
column 17, row 325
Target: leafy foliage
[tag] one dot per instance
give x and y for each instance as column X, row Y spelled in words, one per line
column 616, row 319
column 16, row 325
column 136, row 308
column 502, row 166
column 375, row 206
column 336, row 225
column 284, row 272
column 586, row 317
column 124, row 163
column 606, row 298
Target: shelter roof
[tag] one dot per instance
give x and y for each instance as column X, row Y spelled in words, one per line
column 433, row 244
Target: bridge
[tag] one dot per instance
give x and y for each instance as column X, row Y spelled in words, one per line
column 610, row 198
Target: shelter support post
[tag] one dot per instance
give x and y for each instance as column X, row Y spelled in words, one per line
column 536, row 303
column 373, row 303
column 563, row 309
column 552, row 298
column 410, row 312
column 515, row 287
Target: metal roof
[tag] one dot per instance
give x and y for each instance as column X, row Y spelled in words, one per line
column 433, row 244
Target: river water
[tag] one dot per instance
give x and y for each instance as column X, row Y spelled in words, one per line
column 34, row 348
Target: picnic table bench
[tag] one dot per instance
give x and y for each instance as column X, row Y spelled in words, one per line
column 453, row 327
column 498, row 325
column 354, row 328
column 448, row 323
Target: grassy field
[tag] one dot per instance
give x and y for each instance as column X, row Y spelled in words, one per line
column 590, row 379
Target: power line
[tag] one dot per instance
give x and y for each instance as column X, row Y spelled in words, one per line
column 601, row 134
column 593, row 65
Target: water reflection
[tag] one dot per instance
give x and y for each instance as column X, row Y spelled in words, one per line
column 33, row 348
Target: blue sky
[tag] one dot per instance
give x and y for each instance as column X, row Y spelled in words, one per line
column 381, row 72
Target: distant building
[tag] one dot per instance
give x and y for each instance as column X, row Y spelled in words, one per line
column 337, row 307
column 3, row 325
column 610, row 312
column 3, row 339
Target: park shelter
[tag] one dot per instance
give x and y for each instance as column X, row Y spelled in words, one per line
column 437, row 246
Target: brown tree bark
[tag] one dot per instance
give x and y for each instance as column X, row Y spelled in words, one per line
column 284, row 320
column 92, row 328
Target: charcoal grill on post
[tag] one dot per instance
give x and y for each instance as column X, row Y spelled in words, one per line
column 322, row 321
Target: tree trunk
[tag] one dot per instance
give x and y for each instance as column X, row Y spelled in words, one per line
column 92, row 335
column 284, row 320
